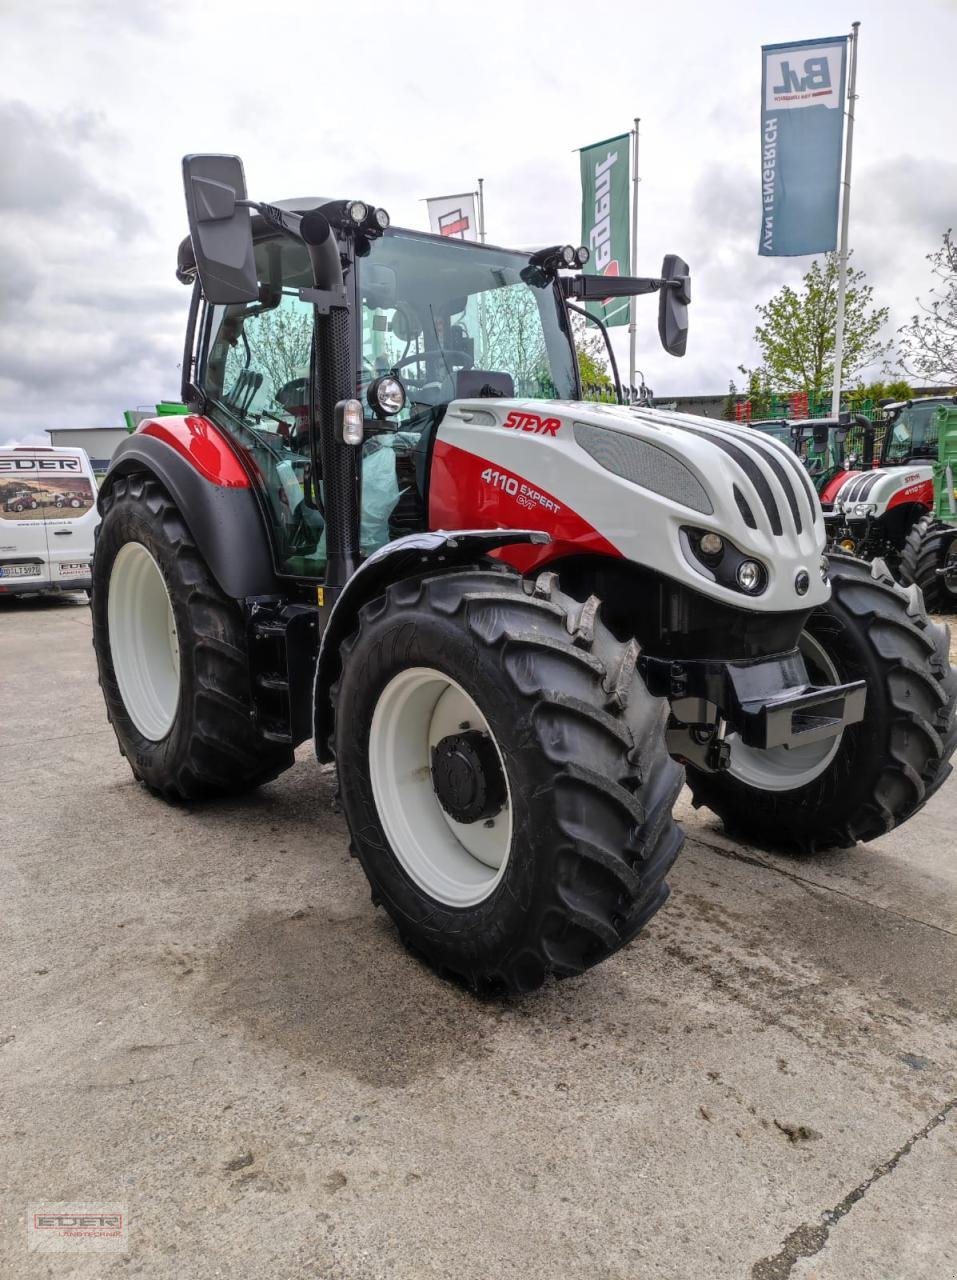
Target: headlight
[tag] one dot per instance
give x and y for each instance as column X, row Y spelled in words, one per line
column 720, row 561
column 386, row 395
column 358, row 211
column 750, row 577
column 382, row 219
column 864, row 508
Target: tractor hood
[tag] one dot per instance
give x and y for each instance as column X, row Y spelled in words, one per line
column 640, row 483
column 872, row 493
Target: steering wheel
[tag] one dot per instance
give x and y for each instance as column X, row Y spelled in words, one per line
column 452, row 357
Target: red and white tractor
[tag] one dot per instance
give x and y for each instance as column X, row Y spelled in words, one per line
column 875, row 508
column 513, row 619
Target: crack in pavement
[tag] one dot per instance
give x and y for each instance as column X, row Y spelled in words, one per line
column 734, row 856
column 810, row 1238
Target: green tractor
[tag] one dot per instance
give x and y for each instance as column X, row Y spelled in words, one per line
column 929, row 557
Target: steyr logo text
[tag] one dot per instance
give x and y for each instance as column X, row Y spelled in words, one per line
column 532, row 422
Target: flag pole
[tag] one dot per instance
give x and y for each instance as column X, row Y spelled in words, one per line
column 845, row 216
column 481, row 210
column 633, row 266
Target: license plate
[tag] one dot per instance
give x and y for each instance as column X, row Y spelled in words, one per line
column 75, row 569
column 20, row 570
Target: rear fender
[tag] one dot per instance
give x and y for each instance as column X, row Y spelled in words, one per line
column 196, row 466
column 408, row 557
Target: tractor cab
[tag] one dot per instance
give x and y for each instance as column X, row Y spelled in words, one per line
column 911, row 430
column 777, row 428
column 425, row 320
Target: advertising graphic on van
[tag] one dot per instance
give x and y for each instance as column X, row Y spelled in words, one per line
column 37, row 497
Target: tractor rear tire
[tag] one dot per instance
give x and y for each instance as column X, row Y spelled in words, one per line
column 188, row 731
column 931, row 545
column 551, row 729
column 885, row 768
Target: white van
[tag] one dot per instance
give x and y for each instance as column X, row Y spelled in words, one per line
column 47, row 517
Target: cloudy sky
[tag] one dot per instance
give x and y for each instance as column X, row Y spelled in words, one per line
column 394, row 101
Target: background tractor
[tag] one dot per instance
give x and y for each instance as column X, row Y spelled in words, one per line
column 875, row 508
column 389, row 522
column 929, row 557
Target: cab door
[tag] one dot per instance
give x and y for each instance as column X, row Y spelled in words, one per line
column 24, row 554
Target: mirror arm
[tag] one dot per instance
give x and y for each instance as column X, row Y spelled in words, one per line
column 596, row 288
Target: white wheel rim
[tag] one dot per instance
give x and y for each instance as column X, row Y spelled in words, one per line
column 787, row 768
column 458, row 864
column 143, row 642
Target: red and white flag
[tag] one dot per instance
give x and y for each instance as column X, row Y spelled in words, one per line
column 454, row 216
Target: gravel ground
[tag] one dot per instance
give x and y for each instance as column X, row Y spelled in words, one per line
column 204, row 1020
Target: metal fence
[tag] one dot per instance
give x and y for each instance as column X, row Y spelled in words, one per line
column 801, row 405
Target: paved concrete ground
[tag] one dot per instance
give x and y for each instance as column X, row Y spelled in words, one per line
column 204, row 1018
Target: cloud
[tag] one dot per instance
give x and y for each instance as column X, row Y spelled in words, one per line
column 46, row 173
column 101, row 104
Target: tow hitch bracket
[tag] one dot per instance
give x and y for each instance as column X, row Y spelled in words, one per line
column 768, row 702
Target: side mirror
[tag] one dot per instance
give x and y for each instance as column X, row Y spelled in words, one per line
column 673, row 302
column 220, row 227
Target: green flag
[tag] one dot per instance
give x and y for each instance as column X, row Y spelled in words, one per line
column 605, row 218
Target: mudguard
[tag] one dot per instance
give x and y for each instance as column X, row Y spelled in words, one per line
column 196, row 466
column 419, row 552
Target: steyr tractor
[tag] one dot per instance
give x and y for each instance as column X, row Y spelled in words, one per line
column 929, row 557
column 876, row 507
column 512, row 618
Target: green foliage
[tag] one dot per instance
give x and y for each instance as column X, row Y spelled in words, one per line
column 758, row 391
column 728, row 408
column 928, row 341
column 867, row 398
column 592, row 361
column 796, row 333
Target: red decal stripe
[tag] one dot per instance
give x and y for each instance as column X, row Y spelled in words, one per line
column 921, row 494
column 203, row 445
column 829, row 492
column 459, row 498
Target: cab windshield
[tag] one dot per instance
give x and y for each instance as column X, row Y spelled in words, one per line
column 454, row 319
column 913, row 433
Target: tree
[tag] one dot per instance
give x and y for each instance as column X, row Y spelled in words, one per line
column 280, row 344
column 512, row 338
column 928, row 342
column 796, row 333
column 864, row 396
column 592, row 363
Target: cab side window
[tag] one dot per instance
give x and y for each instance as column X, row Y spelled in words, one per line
column 256, row 376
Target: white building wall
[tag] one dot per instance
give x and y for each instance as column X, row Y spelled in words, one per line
column 99, row 442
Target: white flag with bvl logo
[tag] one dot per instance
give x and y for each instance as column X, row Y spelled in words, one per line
column 454, row 216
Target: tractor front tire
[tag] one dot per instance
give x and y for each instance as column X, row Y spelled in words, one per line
column 504, row 774
column 931, row 546
column 172, row 654
column 882, row 770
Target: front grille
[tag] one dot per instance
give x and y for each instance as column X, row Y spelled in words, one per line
column 643, row 464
